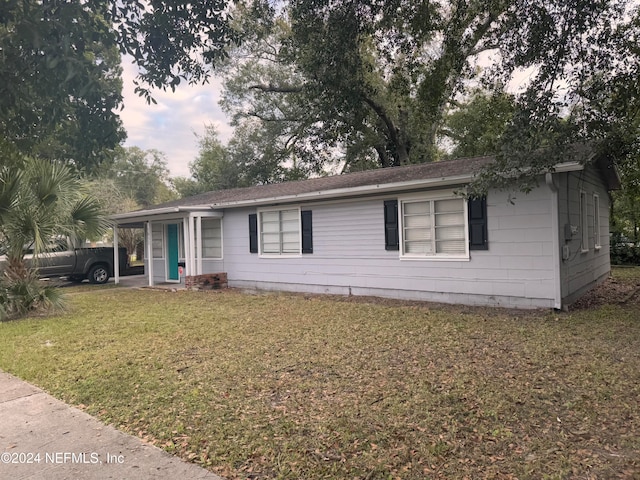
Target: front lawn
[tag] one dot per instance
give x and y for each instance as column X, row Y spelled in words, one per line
column 294, row 386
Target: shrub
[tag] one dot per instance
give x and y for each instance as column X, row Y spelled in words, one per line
column 625, row 254
column 27, row 294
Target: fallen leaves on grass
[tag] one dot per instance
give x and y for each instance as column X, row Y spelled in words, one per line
column 621, row 288
column 293, row 386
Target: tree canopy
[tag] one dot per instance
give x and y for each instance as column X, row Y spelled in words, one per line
column 375, row 81
column 314, row 85
column 212, row 169
column 59, row 81
column 138, row 175
column 476, row 126
column 60, row 84
column 245, row 161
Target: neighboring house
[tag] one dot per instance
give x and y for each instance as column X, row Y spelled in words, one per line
column 401, row 232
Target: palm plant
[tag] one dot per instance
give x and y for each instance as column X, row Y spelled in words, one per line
column 38, row 201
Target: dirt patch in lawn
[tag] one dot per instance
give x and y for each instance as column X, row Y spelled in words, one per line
column 614, row 290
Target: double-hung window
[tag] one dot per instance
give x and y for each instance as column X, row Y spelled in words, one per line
column 157, row 244
column 280, row 232
column 584, row 222
column 434, row 227
column 596, row 222
column 211, row 238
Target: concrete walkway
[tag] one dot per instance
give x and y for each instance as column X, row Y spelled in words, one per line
column 43, row 438
column 141, row 281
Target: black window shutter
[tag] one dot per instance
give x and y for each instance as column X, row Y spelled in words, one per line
column 307, row 231
column 253, row 233
column 391, row 239
column 477, row 212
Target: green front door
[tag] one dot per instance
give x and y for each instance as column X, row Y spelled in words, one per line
column 172, row 252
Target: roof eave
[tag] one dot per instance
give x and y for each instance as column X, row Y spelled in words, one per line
column 159, row 211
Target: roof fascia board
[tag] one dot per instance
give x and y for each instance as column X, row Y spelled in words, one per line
column 163, row 218
column 152, row 218
column 161, row 211
column 568, row 167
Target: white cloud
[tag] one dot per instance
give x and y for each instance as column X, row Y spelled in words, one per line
column 171, row 124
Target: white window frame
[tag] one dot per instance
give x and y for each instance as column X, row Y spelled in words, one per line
column 279, row 255
column 433, row 197
column 201, row 249
column 596, row 222
column 584, row 222
column 158, row 236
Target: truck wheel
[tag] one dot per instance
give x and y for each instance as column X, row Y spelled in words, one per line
column 98, row 274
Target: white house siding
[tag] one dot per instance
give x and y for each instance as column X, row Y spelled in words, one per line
column 583, row 270
column 212, row 266
column 160, row 268
column 349, row 256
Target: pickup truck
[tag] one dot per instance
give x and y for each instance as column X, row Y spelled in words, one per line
column 62, row 260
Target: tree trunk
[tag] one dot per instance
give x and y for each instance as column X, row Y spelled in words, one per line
column 16, row 270
column 402, row 152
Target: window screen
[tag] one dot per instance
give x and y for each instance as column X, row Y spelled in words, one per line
column 434, row 227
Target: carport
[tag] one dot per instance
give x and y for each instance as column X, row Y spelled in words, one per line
column 172, row 240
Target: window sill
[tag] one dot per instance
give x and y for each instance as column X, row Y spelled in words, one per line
column 435, row 259
column 584, row 251
column 284, row 255
column 597, row 247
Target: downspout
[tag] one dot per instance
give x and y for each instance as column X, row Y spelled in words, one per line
column 555, row 235
column 189, row 261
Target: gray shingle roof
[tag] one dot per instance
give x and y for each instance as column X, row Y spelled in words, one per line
column 425, row 171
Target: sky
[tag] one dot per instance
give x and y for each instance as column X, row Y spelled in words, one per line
column 171, row 125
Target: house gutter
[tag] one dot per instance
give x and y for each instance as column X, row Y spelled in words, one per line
column 555, row 235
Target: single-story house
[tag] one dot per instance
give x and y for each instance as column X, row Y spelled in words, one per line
column 402, row 232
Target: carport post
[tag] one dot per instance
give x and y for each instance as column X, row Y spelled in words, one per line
column 116, row 255
column 149, row 248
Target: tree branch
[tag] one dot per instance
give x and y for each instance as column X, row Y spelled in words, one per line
column 388, row 122
column 479, row 34
column 271, row 88
column 264, row 118
column 484, row 48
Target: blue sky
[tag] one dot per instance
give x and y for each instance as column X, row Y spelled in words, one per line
column 171, row 125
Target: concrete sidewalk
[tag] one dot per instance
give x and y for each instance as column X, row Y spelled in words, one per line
column 43, row 438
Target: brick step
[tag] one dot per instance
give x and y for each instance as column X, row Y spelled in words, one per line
column 207, row 281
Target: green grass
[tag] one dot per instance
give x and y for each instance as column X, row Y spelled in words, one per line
column 294, row 386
